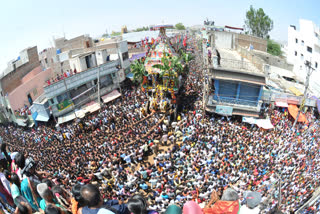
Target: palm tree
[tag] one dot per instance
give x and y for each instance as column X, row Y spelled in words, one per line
column 176, row 64
column 138, row 70
column 169, row 68
column 186, row 57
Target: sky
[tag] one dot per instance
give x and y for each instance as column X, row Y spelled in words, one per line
column 26, row 23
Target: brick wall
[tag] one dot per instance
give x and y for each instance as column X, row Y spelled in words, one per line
column 13, row 79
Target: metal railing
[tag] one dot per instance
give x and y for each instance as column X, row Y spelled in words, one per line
column 235, row 101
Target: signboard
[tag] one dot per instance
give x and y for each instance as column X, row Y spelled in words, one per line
column 224, row 110
column 64, row 104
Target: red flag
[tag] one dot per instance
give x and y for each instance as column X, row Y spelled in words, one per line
column 185, row 42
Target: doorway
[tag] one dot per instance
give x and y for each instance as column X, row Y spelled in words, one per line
column 30, row 99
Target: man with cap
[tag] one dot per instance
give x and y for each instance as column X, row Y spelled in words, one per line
column 253, row 199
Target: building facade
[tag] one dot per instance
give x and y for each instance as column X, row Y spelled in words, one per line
column 304, row 45
column 76, row 90
column 17, row 69
column 233, row 87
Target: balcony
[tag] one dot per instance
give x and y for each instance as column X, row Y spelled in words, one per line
column 247, row 105
column 79, row 79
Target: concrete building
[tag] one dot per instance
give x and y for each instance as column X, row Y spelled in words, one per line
column 80, row 42
column 304, row 45
column 233, row 40
column 70, row 94
column 30, row 89
column 13, row 76
column 49, row 59
column 234, row 86
column 17, row 69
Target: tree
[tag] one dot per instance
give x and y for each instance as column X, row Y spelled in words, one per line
column 115, row 33
column 186, row 57
column 141, row 29
column 138, row 70
column 258, row 23
column 274, row 48
column 180, row 26
column 166, row 69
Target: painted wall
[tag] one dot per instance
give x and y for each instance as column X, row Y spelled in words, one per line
column 18, row 98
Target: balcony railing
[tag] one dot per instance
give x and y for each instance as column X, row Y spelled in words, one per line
column 234, row 64
column 234, row 101
column 80, row 78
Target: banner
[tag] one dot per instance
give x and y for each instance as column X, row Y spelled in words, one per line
column 224, row 110
column 64, row 104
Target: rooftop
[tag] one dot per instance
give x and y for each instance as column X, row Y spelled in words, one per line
column 232, row 61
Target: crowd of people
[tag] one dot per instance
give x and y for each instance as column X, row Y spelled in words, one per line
column 65, row 74
column 124, row 160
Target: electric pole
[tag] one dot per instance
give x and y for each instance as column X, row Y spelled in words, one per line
column 310, row 69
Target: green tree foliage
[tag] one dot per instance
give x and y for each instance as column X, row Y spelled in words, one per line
column 258, row 23
column 274, row 48
column 141, row 29
column 138, row 70
column 115, row 33
column 180, row 26
column 167, row 68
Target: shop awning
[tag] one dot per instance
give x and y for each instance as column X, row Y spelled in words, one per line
column 265, row 124
column 66, row 118
column 111, row 96
column 91, row 107
column 42, row 118
column 281, row 104
column 20, row 122
column 80, row 113
column 293, row 110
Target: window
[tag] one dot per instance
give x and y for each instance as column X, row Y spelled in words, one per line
column 295, row 53
column 51, row 102
column 316, row 64
column 309, row 49
column 125, row 56
column 316, row 35
column 296, row 40
column 46, row 60
column 302, row 57
column 302, row 42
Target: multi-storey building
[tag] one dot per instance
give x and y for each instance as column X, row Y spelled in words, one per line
column 304, row 45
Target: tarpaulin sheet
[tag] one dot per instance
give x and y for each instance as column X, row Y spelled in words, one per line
column 111, row 96
column 265, row 124
column 137, row 56
column 293, row 110
column 249, row 120
column 281, row 104
column 295, row 91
